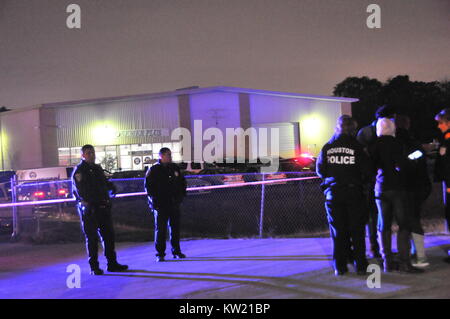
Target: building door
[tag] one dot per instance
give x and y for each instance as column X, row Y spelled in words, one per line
column 289, row 138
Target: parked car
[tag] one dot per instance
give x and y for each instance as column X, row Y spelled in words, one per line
column 128, row 174
column 193, row 182
column 191, row 168
column 44, row 183
column 305, row 162
column 46, row 173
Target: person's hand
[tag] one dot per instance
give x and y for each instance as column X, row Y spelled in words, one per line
column 113, row 189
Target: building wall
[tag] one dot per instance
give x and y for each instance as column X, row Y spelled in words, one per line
column 216, row 110
column 31, row 138
column 101, row 123
column 21, row 140
column 316, row 118
column 48, row 136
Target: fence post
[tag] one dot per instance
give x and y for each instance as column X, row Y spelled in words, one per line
column 16, row 223
column 261, row 213
column 444, row 195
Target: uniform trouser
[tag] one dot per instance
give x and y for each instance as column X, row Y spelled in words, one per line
column 413, row 206
column 373, row 219
column 391, row 205
column 347, row 216
column 447, row 209
column 97, row 219
column 169, row 214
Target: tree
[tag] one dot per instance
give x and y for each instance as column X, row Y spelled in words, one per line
column 367, row 91
column 109, row 162
column 421, row 101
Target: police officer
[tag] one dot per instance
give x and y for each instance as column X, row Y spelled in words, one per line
column 166, row 188
column 91, row 189
column 343, row 166
column 442, row 170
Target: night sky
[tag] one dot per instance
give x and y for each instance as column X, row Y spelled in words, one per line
column 144, row 46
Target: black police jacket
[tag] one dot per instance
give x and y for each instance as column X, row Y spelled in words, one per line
column 165, row 185
column 89, row 184
column 343, row 162
column 368, row 134
column 442, row 166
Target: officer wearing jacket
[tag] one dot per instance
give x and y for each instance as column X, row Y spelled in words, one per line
column 442, row 169
column 166, row 188
column 91, row 189
column 343, row 166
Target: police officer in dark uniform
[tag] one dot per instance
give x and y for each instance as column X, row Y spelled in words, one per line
column 442, row 169
column 91, row 189
column 166, row 188
column 343, row 165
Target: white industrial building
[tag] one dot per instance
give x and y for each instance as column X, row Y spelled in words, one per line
column 129, row 130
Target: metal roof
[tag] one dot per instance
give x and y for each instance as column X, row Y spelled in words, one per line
column 190, row 90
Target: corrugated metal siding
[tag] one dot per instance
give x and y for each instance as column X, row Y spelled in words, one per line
column 287, row 139
column 77, row 125
column 266, row 109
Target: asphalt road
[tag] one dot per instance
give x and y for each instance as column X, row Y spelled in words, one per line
column 234, row 268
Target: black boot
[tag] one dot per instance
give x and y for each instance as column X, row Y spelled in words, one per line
column 339, row 273
column 388, row 259
column 409, row 269
column 179, row 255
column 97, row 271
column 116, row 267
column 160, row 258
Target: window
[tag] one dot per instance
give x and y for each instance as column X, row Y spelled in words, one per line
column 124, row 150
column 113, row 157
column 75, row 156
column 99, row 154
column 64, row 156
column 125, row 162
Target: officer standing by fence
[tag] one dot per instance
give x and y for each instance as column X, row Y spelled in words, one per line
column 166, row 188
column 91, row 189
column 343, row 165
column 442, row 170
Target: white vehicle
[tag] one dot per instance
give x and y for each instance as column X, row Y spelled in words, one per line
column 47, row 173
column 192, row 167
column 43, row 183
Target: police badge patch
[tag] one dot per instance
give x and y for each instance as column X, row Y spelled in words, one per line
column 78, row 177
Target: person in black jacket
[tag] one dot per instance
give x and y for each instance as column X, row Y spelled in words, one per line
column 442, row 170
column 418, row 186
column 166, row 188
column 91, row 189
column 390, row 193
column 343, row 165
column 367, row 136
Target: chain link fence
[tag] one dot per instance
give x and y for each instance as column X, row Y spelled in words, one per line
column 217, row 206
